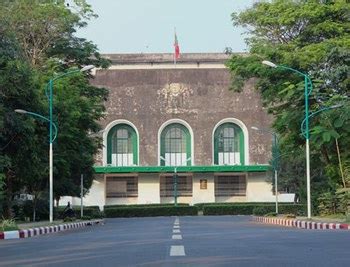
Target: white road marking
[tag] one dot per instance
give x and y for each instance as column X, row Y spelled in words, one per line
column 177, row 251
column 176, row 226
column 177, row 237
column 176, row 231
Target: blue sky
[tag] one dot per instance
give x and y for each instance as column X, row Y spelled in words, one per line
column 147, row 26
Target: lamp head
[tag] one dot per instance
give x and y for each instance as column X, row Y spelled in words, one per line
column 21, row 111
column 255, row 128
column 336, row 106
column 86, row 68
column 269, row 63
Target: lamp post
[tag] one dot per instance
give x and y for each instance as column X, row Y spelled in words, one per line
column 275, row 159
column 50, row 97
column 175, row 176
column 52, row 126
column 307, row 92
column 52, row 138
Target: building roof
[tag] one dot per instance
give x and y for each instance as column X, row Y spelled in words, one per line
column 166, row 58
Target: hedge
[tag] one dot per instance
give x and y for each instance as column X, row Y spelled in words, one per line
column 150, row 211
column 256, row 209
column 90, row 211
column 200, row 206
column 144, row 205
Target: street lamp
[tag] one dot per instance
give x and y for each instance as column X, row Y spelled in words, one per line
column 175, row 176
column 275, row 159
column 50, row 98
column 22, row 111
column 306, row 133
column 52, row 125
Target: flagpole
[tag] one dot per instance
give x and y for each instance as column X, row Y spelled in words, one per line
column 174, row 47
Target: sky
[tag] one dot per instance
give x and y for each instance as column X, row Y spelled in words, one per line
column 147, row 26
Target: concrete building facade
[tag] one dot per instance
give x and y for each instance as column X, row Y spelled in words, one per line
column 161, row 117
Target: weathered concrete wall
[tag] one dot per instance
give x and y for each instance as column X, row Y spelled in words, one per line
column 201, row 97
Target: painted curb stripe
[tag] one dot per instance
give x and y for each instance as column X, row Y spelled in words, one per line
column 303, row 224
column 45, row 230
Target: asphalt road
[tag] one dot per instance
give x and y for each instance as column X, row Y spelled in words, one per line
column 183, row 241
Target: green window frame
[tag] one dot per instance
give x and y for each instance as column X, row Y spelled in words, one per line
column 175, row 139
column 228, row 139
column 122, row 141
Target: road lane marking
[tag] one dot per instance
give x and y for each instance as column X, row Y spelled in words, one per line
column 176, row 226
column 176, row 231
column 177, row 251
column 177, row 237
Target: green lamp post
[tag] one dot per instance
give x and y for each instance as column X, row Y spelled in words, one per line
column 50, row 97
column 52, row 126
column 175, row 178
column 307, row 92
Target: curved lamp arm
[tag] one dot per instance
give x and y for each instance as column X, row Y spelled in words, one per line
column 33, row 114
column 314, row 114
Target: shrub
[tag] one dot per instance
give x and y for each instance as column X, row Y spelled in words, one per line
column 249, row 209
column 8, row 225
column 85, row 218
column 262, row 210
column 144, row 205
column 150, row 211
column 91, row 211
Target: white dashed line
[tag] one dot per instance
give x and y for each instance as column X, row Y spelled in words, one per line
column 177, row 251
column 177, row 237
column 176, row 226
column 176, row 231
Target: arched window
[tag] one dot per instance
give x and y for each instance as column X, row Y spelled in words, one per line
column 228, row 145
column 122, row 146
column 175, row 145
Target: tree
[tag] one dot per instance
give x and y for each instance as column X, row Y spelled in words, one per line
column 313, row 37
column 46, row 47
column 20, row 148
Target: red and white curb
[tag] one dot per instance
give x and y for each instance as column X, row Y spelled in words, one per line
column 303, row 224
column 46, row 230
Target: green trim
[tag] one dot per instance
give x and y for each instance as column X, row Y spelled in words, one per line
column 134, row 141
column 160, row 169
column 241, row 141
column 188, row 141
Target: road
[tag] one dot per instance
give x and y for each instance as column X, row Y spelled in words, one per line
column 182, row 241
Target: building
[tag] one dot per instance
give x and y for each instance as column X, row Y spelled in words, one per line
column 161, row 117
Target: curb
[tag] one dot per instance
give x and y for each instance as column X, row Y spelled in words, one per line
column 303, row 224
column 46, row 230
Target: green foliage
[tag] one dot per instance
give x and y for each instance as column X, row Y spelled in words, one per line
column 249, row 209
column 8, row 225
column 37, row 43
column 150, row 211
column 143, row 205
column 312, row 37
column 93, row 212
column 335, row 202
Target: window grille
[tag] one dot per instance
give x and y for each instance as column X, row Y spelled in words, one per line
column 184, row 186
column 230, row 185
column 121, row 187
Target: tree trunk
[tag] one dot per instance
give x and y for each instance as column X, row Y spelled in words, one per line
column 340, row 164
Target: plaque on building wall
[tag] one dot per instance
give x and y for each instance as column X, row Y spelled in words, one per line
column 203, row 184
